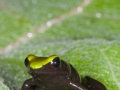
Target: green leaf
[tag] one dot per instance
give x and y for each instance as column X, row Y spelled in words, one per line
column 88, row 38
column 2, row 85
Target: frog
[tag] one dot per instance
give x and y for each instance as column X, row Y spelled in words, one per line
column 53, row 73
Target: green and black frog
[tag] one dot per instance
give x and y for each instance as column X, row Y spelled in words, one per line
column 52, row 73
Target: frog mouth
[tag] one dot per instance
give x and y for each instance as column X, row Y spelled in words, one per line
column 49, row 73
column 46, row 72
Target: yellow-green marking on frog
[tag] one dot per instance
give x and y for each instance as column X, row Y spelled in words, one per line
column 38, row 62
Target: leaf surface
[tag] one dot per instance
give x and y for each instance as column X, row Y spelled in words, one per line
column 89, row 40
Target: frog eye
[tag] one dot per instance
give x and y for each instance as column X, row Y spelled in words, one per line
column 26, row 62
column 56, row 62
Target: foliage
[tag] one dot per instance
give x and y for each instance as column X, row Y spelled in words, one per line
column 88, row 40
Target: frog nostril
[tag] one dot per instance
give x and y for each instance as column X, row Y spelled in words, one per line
column 26, row 62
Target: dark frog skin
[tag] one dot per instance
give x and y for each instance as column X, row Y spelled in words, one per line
column 52, row 73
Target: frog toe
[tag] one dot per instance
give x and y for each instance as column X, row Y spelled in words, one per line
column 94, row 84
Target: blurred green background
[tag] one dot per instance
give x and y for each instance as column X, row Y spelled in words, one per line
column 89, row 40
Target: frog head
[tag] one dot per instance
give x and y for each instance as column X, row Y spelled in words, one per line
column 46, row 65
